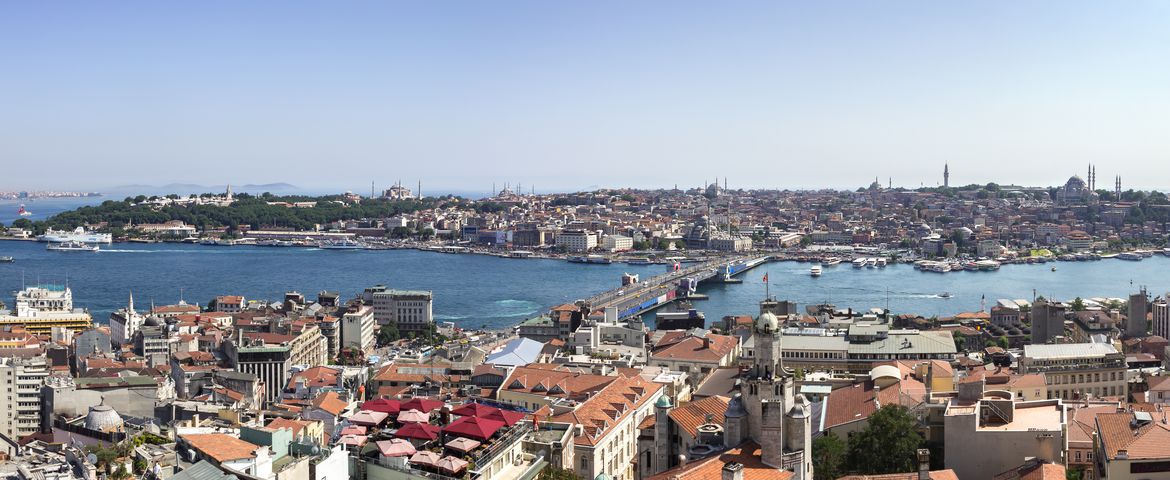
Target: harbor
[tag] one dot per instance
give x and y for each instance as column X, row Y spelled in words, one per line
column 478, row 290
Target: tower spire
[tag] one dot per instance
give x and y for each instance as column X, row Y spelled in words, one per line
column 946, row 174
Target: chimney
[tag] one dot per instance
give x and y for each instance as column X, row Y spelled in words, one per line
column 923, row 464
column 707, row 343
column 732, row 471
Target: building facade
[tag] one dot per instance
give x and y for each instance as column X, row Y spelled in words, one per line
column 22, row 405
column 1076, row 370
column 357, row 328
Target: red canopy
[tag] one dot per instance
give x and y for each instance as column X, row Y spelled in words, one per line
column 474, row 410
column 509, row 417
column 382, row 405
column 420, row 431
column 474, row 427
column 421, row 404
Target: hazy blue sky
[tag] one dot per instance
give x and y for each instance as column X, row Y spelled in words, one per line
column 571, row 95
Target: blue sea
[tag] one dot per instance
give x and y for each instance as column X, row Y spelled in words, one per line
column 477, row 290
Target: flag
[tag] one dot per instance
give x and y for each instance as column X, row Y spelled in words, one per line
column 765, row 278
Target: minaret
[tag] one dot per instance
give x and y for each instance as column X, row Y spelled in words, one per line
column 130, row 305
column 1117, row 188
column 946, row 175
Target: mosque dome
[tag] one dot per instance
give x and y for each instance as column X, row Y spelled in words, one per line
column 1075, row 183
column 602, row 476
column 663, row 402
column 103, row 418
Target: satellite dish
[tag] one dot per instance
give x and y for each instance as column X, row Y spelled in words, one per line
column 316, row 450
column 92, row 459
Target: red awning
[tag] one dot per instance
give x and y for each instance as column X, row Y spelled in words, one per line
column 421, row 404
column 509, row 417
column 474, row 427
column 420, row 431
column 382, row 405
column 474, row 410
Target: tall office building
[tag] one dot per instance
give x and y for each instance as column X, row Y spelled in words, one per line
column 1136, row 325
column 1161, row 314
column 1047, row 321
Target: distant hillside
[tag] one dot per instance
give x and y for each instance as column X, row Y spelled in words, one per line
column 187, row 188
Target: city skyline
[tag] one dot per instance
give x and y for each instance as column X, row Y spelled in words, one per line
column 576, row 97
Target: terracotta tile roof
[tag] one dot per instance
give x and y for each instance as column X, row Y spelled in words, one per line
column 690, row 416
column 647, row 422
column 711, row 468
column 220, row 447
column 549, row 380
column 315, row 377
column 947, row 474
column 330, row 402
column 1140, row 442
column 295, row 425
column 693, row 348
column 1033, row 470
column 608, row 407
column 856, row 402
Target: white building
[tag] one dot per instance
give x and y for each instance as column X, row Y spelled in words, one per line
column 41, row 308
column 125, row 322
column 576, row 240
column 617, row 243
column 357, row 328
column 1161, row 316
column 22, row 404
column 410, row 310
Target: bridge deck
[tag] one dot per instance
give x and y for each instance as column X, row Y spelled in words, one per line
column 631, row 299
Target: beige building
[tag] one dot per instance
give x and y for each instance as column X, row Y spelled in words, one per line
column 999, row 433
column 310, row 347
column 1073, row 370
column 696, row 356
column 41, row 308
column 1133, row 446
column 607, row 441
column 537, row 385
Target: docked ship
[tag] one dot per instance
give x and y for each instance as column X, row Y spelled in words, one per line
column 341, row 244
column 79, row 234
column 859, row 262
column 683, row 317
column 72, row 246
column 22, row 212
column 830, row 261
column 595, row 259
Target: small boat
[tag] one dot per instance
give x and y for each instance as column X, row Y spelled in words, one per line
column 1054, row 269
column 945, row 295
column 881, row 262
column 22, row 212
column 859, row 262
column 6, row 260
column 815, row 271
column 73, row 246
column 830, row 261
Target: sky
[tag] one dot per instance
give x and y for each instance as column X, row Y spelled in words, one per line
column 461, row 95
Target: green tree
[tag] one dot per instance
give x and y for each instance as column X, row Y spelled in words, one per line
column 553, row 473
column 1002, row 342
column 388, row 333
column 1078, row 305
column 960, row 341
column 805, row 240
column 828, row 457
column 888, row 444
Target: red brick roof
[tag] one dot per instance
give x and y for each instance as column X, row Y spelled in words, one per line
column 690, row 416
column 693, row 348
column 711, row 468
column 608, row 407
column 541, row 379
column 330, row 402
column 1145, row 442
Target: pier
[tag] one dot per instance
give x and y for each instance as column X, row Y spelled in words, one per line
column 661, row 290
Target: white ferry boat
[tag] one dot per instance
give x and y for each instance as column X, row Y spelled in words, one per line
column 858, row 262
column 881, row 262
column 815, row 271
column 870, row 262
column 831, row 261
column 79, row 234
column 72, row 246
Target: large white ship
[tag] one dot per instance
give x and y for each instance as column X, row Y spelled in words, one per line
column 79, row 234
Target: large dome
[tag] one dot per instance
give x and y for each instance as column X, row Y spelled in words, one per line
column 1075, row 183
column 103, row 418
column 768, row 323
